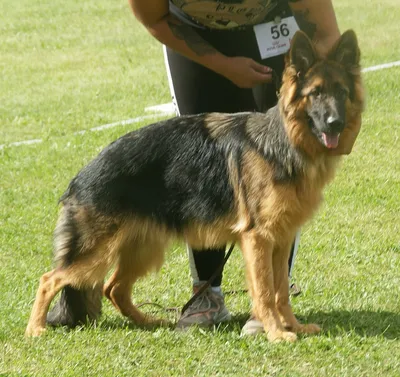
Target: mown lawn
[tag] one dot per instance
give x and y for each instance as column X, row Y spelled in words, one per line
column 70, row 66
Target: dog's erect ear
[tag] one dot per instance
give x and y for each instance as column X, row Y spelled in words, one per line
column 302, row 54
column 346, row 51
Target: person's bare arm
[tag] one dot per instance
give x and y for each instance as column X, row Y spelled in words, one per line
column 318, row 20
column 155, row 16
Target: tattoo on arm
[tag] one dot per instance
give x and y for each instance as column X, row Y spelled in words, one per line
column 302, row 19
column 191, row 38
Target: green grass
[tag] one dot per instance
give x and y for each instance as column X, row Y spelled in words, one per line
column 69, row 66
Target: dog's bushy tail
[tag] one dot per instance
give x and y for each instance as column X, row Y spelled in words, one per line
column 76, row 307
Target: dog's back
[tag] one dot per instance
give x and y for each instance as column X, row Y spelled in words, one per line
column 172, row 171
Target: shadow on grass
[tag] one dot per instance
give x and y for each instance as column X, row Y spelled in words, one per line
column 362, row 322
column 335, row 323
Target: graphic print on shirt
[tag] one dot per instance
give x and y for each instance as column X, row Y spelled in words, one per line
column 226, row 14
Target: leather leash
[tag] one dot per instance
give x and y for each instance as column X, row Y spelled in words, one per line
column 209, row 281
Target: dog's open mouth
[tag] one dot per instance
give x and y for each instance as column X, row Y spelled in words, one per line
column 331, row 141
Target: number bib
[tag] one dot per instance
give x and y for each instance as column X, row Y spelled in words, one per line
column 273, row 38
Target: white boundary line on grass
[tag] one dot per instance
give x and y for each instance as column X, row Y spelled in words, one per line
column 93, row 129
column 381, row 66
column 116, row 124
column 163, row 109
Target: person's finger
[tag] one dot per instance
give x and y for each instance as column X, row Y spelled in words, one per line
column 263, row 78
column 260, row 67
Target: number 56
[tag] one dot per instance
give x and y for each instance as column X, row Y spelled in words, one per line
column 278, row 30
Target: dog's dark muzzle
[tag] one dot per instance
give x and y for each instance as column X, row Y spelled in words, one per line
column 335, row 124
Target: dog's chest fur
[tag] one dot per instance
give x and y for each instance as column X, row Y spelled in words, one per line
column 277, row 183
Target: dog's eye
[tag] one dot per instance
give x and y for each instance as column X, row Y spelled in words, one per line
column 315, row 92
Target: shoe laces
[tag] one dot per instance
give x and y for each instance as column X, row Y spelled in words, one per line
column 204, row 302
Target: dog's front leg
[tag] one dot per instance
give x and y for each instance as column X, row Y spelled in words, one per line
column 257, row 252
column 280, row 261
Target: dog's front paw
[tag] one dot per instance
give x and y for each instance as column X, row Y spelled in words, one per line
column 281, row 336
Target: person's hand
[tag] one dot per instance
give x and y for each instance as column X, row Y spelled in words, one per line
column 246, row 73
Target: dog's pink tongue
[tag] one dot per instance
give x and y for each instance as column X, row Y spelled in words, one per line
column 331, row 141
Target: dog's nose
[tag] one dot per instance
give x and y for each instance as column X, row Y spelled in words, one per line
column 335, row 123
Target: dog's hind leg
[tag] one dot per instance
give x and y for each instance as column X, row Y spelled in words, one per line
column 281, row 282
column 118, row 290
column 83, row 273
column 257, row 252
column 50, row 284
column 134, row 262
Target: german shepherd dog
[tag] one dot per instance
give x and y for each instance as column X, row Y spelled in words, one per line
column 210, row 179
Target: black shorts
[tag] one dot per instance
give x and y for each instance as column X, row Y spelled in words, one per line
column 196, row 89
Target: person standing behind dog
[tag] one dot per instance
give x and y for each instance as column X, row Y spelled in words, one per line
column 220, row 57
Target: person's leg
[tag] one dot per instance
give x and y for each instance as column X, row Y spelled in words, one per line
column 293, row 254
column 195, row 89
